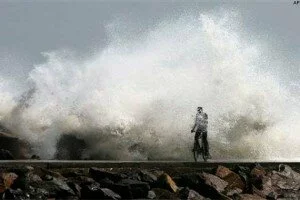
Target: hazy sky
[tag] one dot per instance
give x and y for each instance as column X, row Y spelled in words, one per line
column 28, row 28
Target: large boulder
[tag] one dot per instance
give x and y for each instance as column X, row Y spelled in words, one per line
column 138, row 189
column 286, row 178
column 205, row 184
column 127, row 188
column 160, row 193
column 248, row 197
column 15, row 194
column 56, row 188
column 256, row 176
column 186, row 193
column 12, row 147
column 234, row 180
column 94, row 191
column 147, row 176
column 81, row 180
column 285, row 182
column 99, row 174
column 244, row 173
column 166, row 182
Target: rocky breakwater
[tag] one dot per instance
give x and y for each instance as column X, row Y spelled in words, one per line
column 11, row 146
column 240, row 183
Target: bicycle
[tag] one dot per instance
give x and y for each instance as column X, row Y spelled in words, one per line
column 198, row 150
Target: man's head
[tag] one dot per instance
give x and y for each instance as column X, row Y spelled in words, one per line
column 200, row 109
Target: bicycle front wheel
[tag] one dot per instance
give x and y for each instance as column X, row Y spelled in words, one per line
column 196, row 155
column 204, row 157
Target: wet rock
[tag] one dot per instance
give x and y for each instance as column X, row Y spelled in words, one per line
column 26, row 179
column 72, row 172
column 244, row 173
column 286, row 178
column 81, row 180
column 75, row 187
column 248, row 197
column 205, row 184
column 214, row 182
column 134, row 175
column 127, row 188
column 12, row 147
column 164, row 194
column 267, row 190
column 106, row 182
column 188, row 194
column 283, row 183
column 91, row 191
column 99, row 174
column 234, row 191
column 290, row 194
column 94, row 191
column 109, row 194
column 45, row 173
column 233, row 179
column 123, row 190
column 256, row 176
column 138, row 189
column 166, row 182
column 37, row 193
column 151, row 195
column 33, row 178
column 47, row 178
column 15, row 194
column 56, row 188
column 147, row 176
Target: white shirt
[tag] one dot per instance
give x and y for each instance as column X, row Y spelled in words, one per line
column 200, row 122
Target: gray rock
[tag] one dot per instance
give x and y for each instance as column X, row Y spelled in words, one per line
column 164, row 194
column 99, row 174
column 166, row 182
column 81, row 180
column 189, row 194
column 147, row 176
column 17, row 194
column 138, row 189
column 205, row 184
column 56, row 188
column 75, row 187
column 248, row 197
column 94, row 191
column 109, row 194
column 151, row 195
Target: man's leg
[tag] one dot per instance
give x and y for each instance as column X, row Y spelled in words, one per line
column 205, row 143
column 196, row 140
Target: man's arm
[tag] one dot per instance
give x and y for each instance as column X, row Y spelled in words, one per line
column 195, row 124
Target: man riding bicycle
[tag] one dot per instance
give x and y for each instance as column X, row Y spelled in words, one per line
column 200, row 127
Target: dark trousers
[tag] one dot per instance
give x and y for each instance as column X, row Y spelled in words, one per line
column 203, row 134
